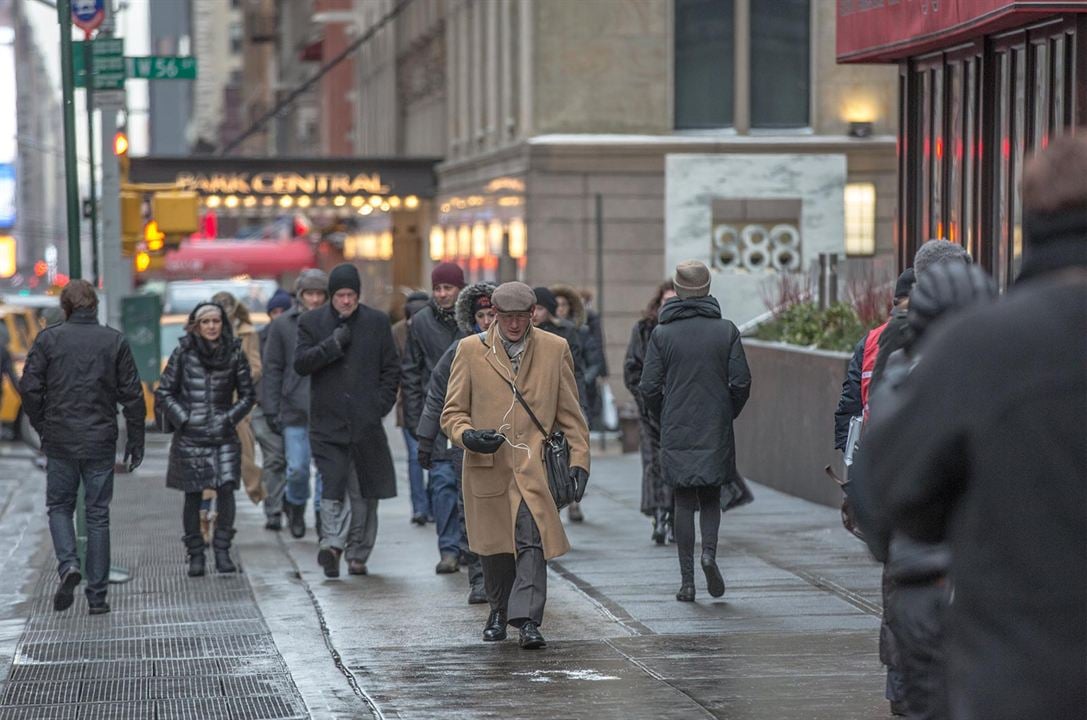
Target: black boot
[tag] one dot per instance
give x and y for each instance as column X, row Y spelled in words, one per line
column 714, row 582
column 296, row 519
column 660, row 527
column 221, row 544
column 669, row 528
column 195, row 546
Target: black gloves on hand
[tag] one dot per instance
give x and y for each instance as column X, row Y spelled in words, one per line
column 342, row 335
column 426, row 447
column 133, row 457
column 482, row 441
column 273, row 424
column 580, row 478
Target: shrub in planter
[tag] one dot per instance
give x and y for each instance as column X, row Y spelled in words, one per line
column 804, row 324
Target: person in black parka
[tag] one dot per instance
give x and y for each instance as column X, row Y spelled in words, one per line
column 204, row 392
column 656, row 495
column 696, row 380
column 347, row 351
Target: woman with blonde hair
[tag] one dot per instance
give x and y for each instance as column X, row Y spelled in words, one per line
column 205, row 392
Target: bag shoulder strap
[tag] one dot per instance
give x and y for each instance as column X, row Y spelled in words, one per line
column 517, row 394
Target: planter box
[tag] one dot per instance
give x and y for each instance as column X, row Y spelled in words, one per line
column 785, row 435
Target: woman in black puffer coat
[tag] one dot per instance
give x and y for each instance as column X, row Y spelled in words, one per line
column 205, row 391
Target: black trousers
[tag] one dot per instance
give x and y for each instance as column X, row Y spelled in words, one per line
column 706, row 500
column 518, row 583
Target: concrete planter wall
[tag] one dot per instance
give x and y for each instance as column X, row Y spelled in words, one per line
column 785, row 435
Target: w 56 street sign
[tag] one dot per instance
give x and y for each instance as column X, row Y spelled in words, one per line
column 161, row 67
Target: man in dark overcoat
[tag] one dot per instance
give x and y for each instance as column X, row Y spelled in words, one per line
column 347, row 350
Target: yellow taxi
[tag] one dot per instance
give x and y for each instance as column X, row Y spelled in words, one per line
column 21, row 325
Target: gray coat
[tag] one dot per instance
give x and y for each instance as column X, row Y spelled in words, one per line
column 285, row 393
column 430, row 334
column 696, row 380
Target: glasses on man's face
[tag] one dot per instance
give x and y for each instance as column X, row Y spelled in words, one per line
column 511, row 316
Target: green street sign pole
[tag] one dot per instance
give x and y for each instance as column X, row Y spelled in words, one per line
column 88, row 61
column 64, row 17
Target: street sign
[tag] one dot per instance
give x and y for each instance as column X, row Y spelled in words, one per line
column 108, row 58
column 140, row 316
column 88, row 14
column 161, row 67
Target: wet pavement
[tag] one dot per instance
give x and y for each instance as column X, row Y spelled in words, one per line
column 795, row 635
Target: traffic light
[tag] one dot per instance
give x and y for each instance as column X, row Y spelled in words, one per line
column 177, row 213
column 154, row 237
column 131, row 221
column 143, row 261
column 120, row 149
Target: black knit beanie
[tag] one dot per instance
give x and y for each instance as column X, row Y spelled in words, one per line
column 344, row 277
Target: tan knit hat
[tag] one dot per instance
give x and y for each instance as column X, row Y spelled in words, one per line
column 692, row 279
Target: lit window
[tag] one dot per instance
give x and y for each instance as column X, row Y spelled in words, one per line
column 860, row 219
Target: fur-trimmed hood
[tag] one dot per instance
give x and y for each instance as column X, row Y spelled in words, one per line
column 577, row 307
column 463, row 309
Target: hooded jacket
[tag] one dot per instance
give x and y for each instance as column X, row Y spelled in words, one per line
column 205, row 404
column 430, row 420
column 696, row 381
column 592, row 351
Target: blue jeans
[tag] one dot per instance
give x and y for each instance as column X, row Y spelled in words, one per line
column 420, row 499
column 444, row 495
column 296, row 448
column 62, row 479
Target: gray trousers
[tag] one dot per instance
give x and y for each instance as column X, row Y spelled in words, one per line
column 350, row 525
column 518, row 583
column 273, row 474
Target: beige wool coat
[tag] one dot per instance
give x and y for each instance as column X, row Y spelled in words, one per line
column 479, row 397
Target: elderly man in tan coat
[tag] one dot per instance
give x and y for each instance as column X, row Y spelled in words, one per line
column 512, row 520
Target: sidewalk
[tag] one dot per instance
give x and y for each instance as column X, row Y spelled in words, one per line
column 173, row 646
column 794, row 637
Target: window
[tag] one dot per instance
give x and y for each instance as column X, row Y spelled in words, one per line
column 236, row 35
column 704, row 53
column 860, row 219
column 780, row 62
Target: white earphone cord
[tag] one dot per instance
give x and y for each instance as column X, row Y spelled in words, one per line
column 513, row 401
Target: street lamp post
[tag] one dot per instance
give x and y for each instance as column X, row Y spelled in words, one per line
column 64, row 17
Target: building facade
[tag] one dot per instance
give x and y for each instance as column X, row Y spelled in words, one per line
column 556, row 121
column 982, row 85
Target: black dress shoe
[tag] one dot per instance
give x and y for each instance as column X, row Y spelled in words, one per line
column 531, row 639
column 714, row 582
column 65, row 594
column 496, row 626
column 686, row 592
column 274, row 522
column 99, row 608
column 329, row 559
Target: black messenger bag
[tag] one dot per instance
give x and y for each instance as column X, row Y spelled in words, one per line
column 556, row 458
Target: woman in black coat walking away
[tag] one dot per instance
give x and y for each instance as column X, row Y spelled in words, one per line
column 205, row 391
column 656, row 495
column 696, row 381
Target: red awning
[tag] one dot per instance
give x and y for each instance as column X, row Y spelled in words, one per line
column 879, row 31
column 227, row 258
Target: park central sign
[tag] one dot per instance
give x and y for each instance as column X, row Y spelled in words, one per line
column 282, row 183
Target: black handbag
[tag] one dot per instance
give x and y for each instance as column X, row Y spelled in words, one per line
column 556, row 458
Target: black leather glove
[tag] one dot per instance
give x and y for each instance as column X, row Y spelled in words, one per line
column 482, row 441
column 426, row 447
column 133, row 457
column 580, row 477
column 273, row 424
column 342, row 335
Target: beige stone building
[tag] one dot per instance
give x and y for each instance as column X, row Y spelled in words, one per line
column 541, row 109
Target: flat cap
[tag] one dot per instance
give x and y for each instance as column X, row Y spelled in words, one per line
column 513, row 297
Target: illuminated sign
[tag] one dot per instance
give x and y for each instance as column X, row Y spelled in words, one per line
column 285, row 183
column 8, row 195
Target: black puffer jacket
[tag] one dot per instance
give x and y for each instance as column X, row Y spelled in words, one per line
column 205, row 405
column 696, row 380
column 429, row 422
column 430, row 334
column 75, row 376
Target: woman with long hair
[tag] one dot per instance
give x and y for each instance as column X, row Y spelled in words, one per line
column 656, row 496
column 205, row 391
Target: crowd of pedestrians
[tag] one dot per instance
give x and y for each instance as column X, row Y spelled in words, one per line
column 962, row 419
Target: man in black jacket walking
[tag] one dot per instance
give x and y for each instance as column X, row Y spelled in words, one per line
column 431, row 331
column 75, row 376
column 347, row 351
